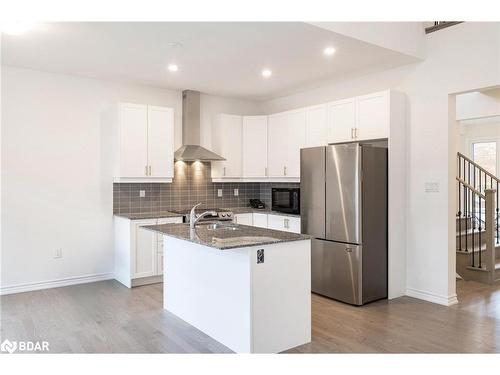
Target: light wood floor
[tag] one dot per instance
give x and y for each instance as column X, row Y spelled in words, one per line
column 107, row 317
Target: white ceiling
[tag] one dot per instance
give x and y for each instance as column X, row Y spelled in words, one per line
column 216, row 58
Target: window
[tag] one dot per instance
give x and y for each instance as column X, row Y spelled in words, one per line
column 485, row 154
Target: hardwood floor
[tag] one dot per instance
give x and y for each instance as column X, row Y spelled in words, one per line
column 106, row 317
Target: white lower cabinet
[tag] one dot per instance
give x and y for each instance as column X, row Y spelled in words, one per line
column 270, row 221
column 284, row 223
column 245, row 219
column 259, row 220
column 138, row 251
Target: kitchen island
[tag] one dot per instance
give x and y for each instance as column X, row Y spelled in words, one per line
column 247, row 287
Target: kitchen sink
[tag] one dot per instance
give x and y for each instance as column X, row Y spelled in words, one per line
column 221, row 226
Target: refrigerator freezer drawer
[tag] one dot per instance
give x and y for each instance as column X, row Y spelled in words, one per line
column 336, row 270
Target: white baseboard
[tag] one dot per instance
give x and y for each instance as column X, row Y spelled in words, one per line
column 20, row 288
column 432, row 297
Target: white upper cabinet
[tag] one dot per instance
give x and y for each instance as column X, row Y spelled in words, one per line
column 227, row 142
column 133, row 140
column 286, row 136
column 254, row 146
column 161, row 142
column 316, row 126
column 341, row 120
column 277, row 145
column 144, row 137
column 373, row 115
column 296, row 139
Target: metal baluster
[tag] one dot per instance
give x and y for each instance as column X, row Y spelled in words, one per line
column 496, row 223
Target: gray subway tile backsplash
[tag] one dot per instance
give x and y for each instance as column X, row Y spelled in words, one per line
column 192, row 184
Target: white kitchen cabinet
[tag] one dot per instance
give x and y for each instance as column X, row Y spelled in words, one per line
column 138, row 251
column 254, row 147
column 227, row 142
column 316, row 126
column 373, row 115
column 160, row 142
column 341, row 120
column 245, row 219
column 146, row 251
column 284, row 223
column 286, row 136
column 296, row 139
column 277, row 145
column 139, row 141
column 259, row 220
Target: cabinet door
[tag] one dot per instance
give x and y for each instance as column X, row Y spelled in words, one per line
column 227, row 142
column 316, row 126
column 259, row 220
column 341, row 120
column 372, row 115
column 145, row 252
column 293, row 224
column 277, row 145
column 254, row 141
column 133, row 140
column 296, row 139
column 275, row 222
column 161, row 141
column 245, row 219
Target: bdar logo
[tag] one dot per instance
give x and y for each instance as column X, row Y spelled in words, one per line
column 8, row 346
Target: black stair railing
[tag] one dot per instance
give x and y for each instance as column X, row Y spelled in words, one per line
column 481, row 180
column 478, row 210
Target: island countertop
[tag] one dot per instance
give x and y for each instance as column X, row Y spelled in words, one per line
column 227, row 236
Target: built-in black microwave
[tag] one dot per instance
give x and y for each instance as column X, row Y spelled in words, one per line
column 286, row 200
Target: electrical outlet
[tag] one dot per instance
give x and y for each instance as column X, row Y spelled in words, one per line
column 58, row 253
column 142, row 193
column 219, row 193
column 236, row 192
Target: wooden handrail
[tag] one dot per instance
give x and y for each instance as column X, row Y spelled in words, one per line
column 470, row 187
column 479, row 167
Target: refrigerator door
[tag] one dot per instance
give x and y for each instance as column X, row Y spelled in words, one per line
column 336, row 270
column 312, row 191
column 343, row 193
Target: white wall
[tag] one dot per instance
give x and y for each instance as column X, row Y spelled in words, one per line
column 53, row 194
column 460, row 58
column 474, row 105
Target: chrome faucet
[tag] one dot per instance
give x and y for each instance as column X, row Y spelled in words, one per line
column 192, row 216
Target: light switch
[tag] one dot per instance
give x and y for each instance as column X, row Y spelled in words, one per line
column 236, row 192
column 219, row 192
column 142, row 193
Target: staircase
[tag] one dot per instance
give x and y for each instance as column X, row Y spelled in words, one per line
column 478, row 239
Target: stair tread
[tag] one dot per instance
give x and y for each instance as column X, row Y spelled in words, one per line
column 483, row 267
column 470, row 231
column 476, row 248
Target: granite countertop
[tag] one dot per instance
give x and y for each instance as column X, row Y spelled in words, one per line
column 144, row 216
column 245, row 210
column 225, row 238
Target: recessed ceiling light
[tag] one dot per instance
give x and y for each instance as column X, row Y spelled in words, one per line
column 329, row 51
column 173, row 67
column 267, row 73
column 16, row 28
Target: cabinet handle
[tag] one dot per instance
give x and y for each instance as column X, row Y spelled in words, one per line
column 285, row 223
column 355, row 132
column 146, row 170
column 352, row 133
column 224, row 171
column 150, row 170
column 265, row 171
column 284, row 170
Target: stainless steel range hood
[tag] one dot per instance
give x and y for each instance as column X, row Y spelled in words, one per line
column 191, row 149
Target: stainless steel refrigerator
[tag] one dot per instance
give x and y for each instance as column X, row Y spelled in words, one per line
column 343, row 190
